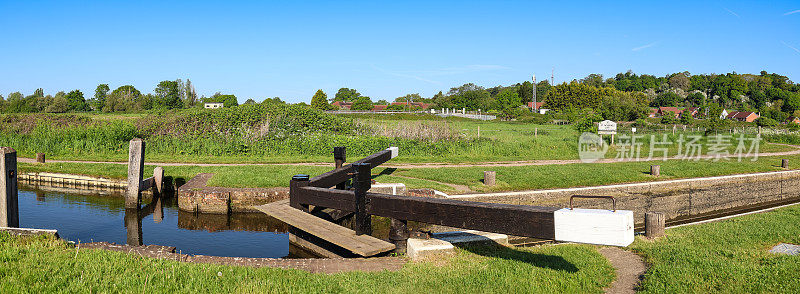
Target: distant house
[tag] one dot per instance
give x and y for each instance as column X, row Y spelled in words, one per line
column 661, row 111
column 724, row 114
column 422, row 105
column 343, row 104
column 795, row 120
column 538, row 107
column 379, row 107
column 213, row 105
column 653, row 112
column 747, row 116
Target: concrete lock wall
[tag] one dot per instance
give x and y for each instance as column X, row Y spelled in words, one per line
column 675, row 198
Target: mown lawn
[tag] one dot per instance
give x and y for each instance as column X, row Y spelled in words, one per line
column 512, row 178
column 46, row 265
column 727, row 256
column 509, row 178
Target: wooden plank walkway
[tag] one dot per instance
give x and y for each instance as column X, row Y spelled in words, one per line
column 364, row 245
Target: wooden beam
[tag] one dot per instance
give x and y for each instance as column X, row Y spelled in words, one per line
column 361, row 184
column 517, row 220
column 336, row 176
column 364, row 245
column 9, row 206
column 328, row 198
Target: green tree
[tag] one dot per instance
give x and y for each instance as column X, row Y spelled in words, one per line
column 190, row 96
column 686, row 118
column 168, row 95
column 250, row 101
column 124, row 98
column 100, row 94
column 469, row 96
column 666, row 99
column 362, row 103
column 75, row 101
column 58, row 105
column 320, row 100
column 346, row 94
column 226, row 100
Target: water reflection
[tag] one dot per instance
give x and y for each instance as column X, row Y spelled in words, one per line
column 87, row 217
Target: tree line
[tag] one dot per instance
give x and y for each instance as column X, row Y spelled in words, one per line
column 168, row 94
column 624, row 97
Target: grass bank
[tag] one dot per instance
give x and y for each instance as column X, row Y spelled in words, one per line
column 254, row 134
column 728, row 256
column 509, row 178
column 42, row 264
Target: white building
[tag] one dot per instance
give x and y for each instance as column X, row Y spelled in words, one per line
column 724, row 114
column 213, row 105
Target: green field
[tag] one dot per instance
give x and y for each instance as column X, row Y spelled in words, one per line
column 46, row 265
column 509, row 178
column 267, row 136
column 725, row 257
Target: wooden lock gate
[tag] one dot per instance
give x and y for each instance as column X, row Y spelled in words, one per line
column 308, row 195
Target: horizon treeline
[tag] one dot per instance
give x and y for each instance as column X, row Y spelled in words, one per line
column 626, row 96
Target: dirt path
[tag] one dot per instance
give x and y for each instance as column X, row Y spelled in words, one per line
column 629, row 268
column 432, row 164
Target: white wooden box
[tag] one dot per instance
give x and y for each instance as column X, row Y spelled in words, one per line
column 594, row 226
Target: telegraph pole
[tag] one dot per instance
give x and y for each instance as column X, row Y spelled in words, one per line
column 535, row 109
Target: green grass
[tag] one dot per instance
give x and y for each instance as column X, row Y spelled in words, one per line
column 728, row 256
column 253, row 176
column 498, row 141
column 511, row 178
column 46, row 265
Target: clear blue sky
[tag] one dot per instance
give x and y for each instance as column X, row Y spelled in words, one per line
column 264, row 49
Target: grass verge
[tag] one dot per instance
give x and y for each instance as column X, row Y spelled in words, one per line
column 727, row 256
column 43, row 264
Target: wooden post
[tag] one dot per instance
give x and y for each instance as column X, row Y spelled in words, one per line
column 398, row 234
column 489, row 178
column 158, row 179
column 40, row 157
column 362, row 183
column 654, row 224
column 655, row 170
column 298, row 181
column 135, row 169
column 785, row 163
column 9, row 207
column 535, row 132
column 339, row 158
column 479, row 131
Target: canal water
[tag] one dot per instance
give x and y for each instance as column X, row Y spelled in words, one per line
column 103, row 218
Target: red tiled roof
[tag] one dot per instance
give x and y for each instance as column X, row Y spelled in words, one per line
column 379, row 107
column 538, row 105
column 740, row 114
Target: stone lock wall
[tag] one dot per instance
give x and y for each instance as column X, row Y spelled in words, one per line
column 675, row 198
column 194, row 196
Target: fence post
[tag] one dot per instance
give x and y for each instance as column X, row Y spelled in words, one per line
column 489, row 178
column 339, row 158
column 654, row 224
column 655, row 170
column 9, row 208
column 362, row 183
column 40, row 157
column 785, row 163
column 298, row 181
column 135, row 169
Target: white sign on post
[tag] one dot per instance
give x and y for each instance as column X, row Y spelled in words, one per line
column 607, row 127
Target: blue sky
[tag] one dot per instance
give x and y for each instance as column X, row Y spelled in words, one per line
column 264, row 49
